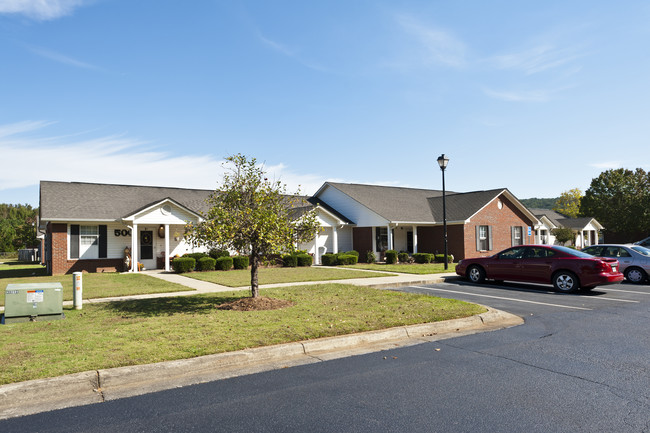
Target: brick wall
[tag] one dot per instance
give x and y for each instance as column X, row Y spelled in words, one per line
column 501, row 221
column 59, row 255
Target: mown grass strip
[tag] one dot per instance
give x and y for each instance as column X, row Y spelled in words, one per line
column 144, row 331
column 241, row 278
column 104, row 285
column 408, row 268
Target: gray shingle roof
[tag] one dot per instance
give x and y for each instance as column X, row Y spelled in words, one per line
column 417, row 205
column 92, row 201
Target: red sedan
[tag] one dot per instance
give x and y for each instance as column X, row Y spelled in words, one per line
column 565, row 268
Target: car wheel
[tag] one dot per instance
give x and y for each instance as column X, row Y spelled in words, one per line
column 476, row 274
column 566, row 282
column 635, row 275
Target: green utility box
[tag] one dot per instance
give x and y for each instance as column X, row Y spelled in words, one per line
column 31, row 302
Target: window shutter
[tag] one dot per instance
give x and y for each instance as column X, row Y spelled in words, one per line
column 103, row 244
column 478, row 238
column 489, row 238
column 74, row 241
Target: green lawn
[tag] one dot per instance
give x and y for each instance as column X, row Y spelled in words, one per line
column 135, row 332
column 103, row 285
column 409, row 268
column 240, row 278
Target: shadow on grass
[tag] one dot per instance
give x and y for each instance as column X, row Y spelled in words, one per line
column 23, row 272
column 199, row 304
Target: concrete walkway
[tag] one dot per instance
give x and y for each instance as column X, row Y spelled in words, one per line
column 97, row 386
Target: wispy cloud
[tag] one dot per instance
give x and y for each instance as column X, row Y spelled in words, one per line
column 607, row 165
column 292, row 53
column 60, row 58
column 41, row 10
column 519, row 96
column 115, row 159
column 537, row 59
column 439, row 45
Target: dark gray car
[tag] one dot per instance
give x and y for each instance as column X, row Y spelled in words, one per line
column 633, row 259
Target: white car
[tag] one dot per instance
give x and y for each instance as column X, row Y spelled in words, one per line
column 633, row 259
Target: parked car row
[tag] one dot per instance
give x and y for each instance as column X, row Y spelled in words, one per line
column 567, row 269
column 634, row 260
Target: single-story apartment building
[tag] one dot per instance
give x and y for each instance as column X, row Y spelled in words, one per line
column 91, row 227
column 586, row 229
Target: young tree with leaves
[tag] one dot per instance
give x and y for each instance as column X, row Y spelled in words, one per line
column 569, row 203
column 620, row 200
column 251, row 214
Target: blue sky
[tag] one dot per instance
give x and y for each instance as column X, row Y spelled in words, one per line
column 536, row 97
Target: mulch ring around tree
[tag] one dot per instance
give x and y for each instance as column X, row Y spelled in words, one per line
column 255, row 304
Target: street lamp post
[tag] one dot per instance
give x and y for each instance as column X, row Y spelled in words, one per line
column 442, row 162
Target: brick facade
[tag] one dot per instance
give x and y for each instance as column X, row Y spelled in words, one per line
column 58, row 262
column 501, row 220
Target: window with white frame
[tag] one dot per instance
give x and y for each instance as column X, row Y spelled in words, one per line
column 87, row 242
column 483, row 238
column 517, row 236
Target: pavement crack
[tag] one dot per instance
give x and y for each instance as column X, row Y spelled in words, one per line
column 99, row 390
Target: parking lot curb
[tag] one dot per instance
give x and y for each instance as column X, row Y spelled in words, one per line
column 25, row 398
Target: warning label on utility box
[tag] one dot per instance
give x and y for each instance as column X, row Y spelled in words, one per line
column 34, row 296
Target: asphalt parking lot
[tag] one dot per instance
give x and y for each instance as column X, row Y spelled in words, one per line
column 525, row 299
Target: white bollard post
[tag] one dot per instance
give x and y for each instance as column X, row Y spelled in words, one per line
column 78, row 289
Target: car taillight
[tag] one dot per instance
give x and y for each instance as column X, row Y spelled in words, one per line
column 603, row 266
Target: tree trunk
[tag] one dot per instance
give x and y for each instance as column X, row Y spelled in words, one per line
column 255, row 289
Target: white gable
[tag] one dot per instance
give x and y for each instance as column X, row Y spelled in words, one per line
column 165, row 212
column 352, row 209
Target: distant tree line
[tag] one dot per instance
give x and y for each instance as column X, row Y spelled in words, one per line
column 18, row 227
column 539, row 203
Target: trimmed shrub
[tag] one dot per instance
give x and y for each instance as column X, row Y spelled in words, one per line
column 240, row 262
column 347, row 259
column 423, row 258
column 329, row 259
column 206, row 264
column 196, row 256
column 289, row 261
column 391, row 257
column 183, row 264
column 371, row 257
column 352, row 253
column 215, row 253
column 440, row 258
column 304, row 259
column 403, row 257
column 224, row 264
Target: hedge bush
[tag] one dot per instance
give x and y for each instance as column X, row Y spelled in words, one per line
column 196, row 256
column 215, row 253
column 206, row 264
column 183, row 264
column 423, row 257
column 240, row 262
column 224, row 264
column 403, row 257
column 352, row 253
column 391, row 257
column 304, row 259
column 440, row 258
column 289, row 261
column 371, row 257
column 347, row 259
column 329, row 259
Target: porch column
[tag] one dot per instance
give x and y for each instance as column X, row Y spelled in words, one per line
column 335, row 240
column 415, row 239
column 390, row 238
column 316, row 256
column 134, row 248
column 166, row 247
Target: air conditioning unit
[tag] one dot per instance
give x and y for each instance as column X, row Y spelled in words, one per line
column 32, row 302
